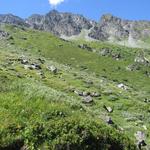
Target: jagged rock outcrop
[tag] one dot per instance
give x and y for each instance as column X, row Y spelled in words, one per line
column 60, row 23
column 114, row 28
column 3, row 34
column 109, row 26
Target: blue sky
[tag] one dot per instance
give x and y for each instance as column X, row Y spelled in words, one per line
column 127, row 9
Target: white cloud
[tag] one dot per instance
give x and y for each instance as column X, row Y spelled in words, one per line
column 54, row 3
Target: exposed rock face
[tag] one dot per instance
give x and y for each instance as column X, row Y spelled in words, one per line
column 111, row 27
column 60, row 23
column 11, row 19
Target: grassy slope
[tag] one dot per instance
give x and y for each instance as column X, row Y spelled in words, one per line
column 27, row 100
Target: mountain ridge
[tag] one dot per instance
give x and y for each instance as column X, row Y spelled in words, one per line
column 109, row 28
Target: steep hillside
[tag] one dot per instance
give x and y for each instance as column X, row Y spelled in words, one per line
column 57, row 94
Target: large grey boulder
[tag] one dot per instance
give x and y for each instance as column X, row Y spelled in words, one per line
column 3, row 34
column 87, row 100
column 140, row 137
column 122, row 86
column 35, row 66
column 53, row 69
column 108, row 109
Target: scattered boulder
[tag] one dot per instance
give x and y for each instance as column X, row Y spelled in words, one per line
column 147, row 73
column 95, row 94
column 141, row 59
column 108, row 109
column 42, row 61
column 32, row 66
column 24, row 61
column 87, row 100
column 3, row 34
column 19, row 75
column 36, row 66
column 52, row 69
column 41, row 74
column 108, row 52
column 133, row 67
column 122, row 86
column 146, row 100
column 140, row 137
column 79, row 93
column 109, row 121
column 116, row 56
column 105, row 52
column 85, row 46
column 141, row 144
column 86, row 93
column 27, row 67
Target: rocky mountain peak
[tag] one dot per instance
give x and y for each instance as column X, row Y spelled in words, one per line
column 108, row 17
column 53, row 12
column 111, row 28
column 67, row 24
column 12, row 19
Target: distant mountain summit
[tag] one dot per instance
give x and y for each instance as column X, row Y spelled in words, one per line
column 109, row 28
column 11, row 19
column 60, row 23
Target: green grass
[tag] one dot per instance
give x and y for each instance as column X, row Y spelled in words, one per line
column 45, row 113
column 41, row 120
